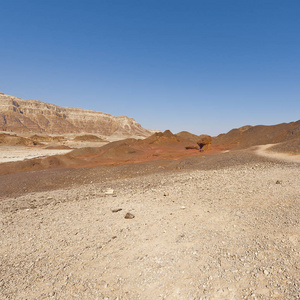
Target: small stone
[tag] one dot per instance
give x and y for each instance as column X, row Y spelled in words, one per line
column 278, row 182
column 109, row 192
column 129, row 216
column 182, row 207
column 266, row 272
column 166, row 194
column 116, row 210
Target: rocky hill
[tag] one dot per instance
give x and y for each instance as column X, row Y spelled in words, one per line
column 32, row 116
column 248, row 136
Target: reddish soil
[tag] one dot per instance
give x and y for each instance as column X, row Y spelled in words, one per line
column 42, row 179
column 159, row 146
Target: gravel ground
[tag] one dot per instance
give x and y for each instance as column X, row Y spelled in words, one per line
column 225, row 230
column 291, row 146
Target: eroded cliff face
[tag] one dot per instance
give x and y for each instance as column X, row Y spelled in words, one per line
column 32, row 116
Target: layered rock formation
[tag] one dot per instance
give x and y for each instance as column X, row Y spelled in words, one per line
column 32, row 116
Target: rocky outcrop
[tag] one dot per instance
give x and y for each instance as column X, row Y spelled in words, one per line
column 204, row 142
column 14, row 140
column 32, row 116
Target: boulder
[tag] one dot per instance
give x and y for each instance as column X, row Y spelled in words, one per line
column 204, row 142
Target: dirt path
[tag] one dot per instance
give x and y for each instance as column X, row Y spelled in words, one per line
column 231, row 233
column 263, row 151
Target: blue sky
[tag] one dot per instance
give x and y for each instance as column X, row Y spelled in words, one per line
column 201, row 66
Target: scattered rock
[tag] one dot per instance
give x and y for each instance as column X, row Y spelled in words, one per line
column 109, row 192
column 129, row 216
column 116, row 210
column 278, row 182
column 166, row 194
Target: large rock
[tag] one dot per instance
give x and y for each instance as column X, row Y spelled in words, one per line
column 204, row 142
column 32, row 116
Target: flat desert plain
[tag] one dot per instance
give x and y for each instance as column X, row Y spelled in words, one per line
column 220, row 226
column 11, row 153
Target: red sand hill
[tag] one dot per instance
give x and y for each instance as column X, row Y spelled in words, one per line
column 159, row 146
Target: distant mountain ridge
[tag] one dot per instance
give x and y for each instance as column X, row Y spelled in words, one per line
column 33, row 116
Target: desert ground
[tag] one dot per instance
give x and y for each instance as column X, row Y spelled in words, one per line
column 218, row 226
column 11, row 153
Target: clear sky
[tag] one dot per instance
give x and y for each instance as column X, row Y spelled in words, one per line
column 201, row 66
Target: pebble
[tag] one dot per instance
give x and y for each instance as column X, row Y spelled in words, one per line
column 266, row 272
column 129, row 216
column 109, row 192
